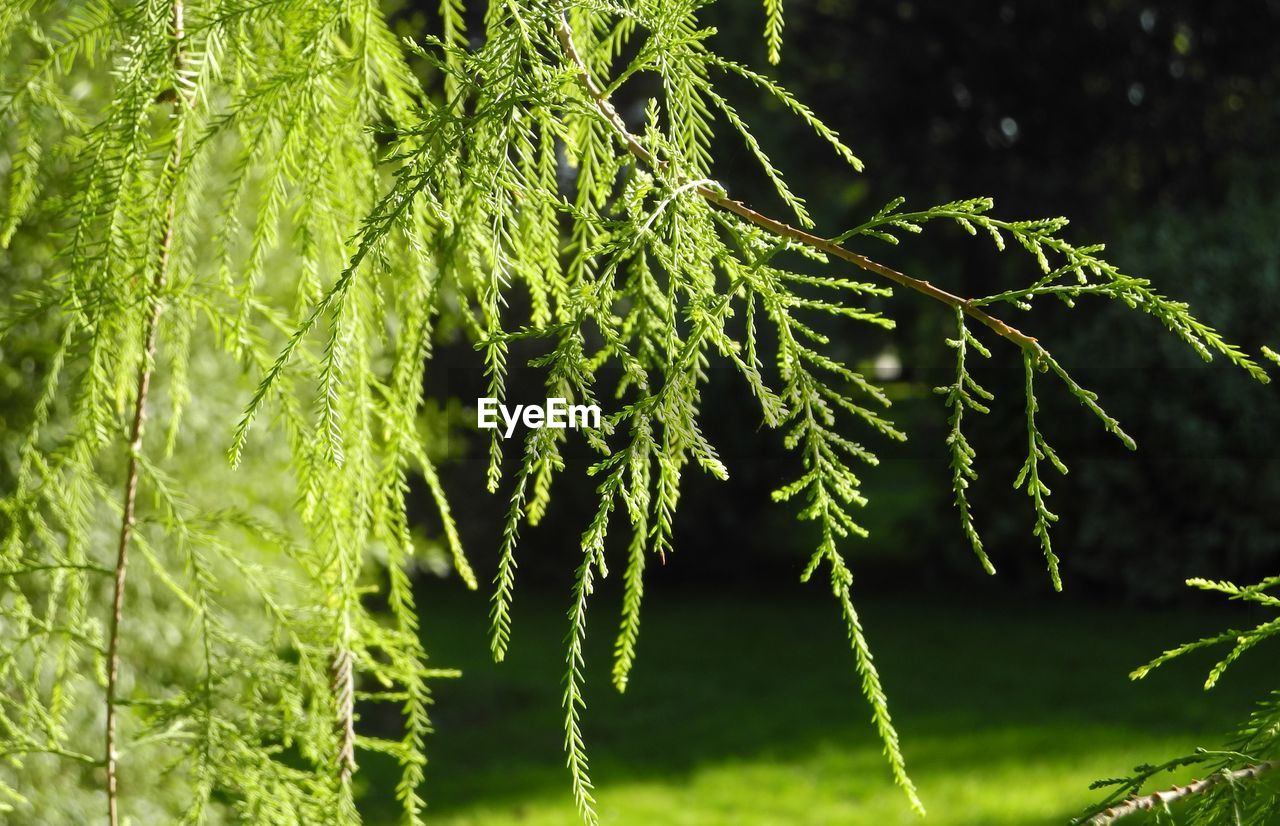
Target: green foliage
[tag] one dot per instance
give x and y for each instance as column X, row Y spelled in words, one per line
column 1231, row 792
column 961, row 396
column 207, row 145
column 640, row 273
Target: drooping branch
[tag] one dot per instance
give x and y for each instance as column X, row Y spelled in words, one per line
column 146, row 369
column 1148, row 802
column 715, row 195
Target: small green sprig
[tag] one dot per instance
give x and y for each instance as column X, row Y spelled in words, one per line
column 964, row 394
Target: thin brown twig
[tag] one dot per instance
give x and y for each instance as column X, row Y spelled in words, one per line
column 128, row 518
column 716, row 196
column 344, row 690
column 1147, row 802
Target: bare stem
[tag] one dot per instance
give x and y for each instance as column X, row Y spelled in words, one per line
column 714, row 195
column 1160, row 799
column 129, row 518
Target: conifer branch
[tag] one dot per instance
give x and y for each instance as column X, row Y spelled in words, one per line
column 1161, row 799
column 659, row 273
column 964, row 395
column 1240, row 762
column 1029, row 478
column 146, row 369
column 714, row 193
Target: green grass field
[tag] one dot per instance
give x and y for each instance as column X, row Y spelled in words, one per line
column 744, row 710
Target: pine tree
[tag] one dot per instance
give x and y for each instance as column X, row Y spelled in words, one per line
column 284, row 191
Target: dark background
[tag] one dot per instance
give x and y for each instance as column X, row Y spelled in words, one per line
column 1153, row 127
